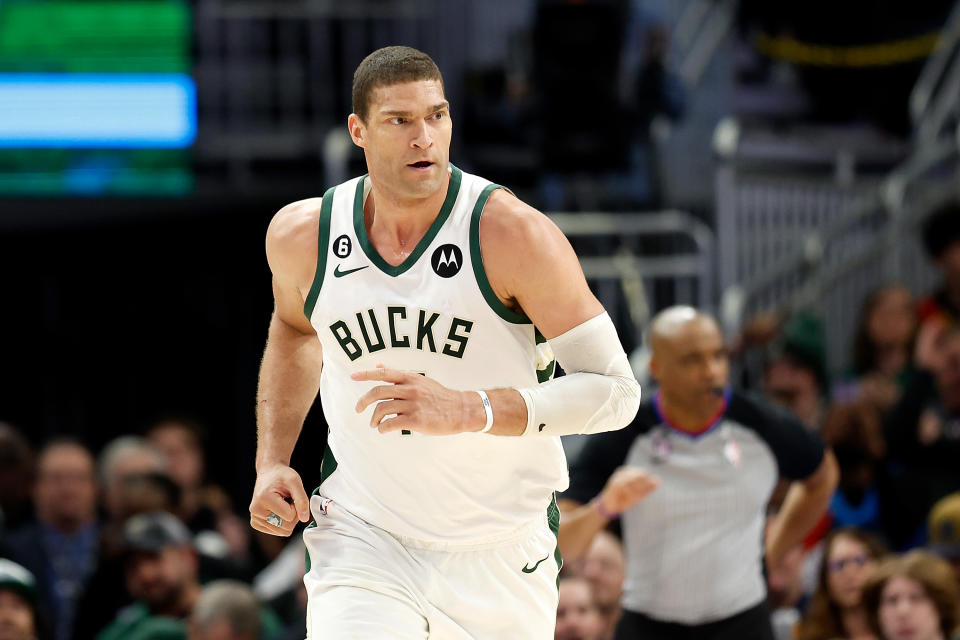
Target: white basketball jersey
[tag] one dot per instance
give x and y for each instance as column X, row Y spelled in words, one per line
column 437, row 315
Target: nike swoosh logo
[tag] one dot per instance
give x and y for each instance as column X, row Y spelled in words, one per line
column 339, row 274
column 527, row 569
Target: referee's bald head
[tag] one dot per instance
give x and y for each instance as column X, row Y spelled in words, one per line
column 689, row 359
column 668, row 326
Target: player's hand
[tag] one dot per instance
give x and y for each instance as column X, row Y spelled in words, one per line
column 626, row 487
column 278, row 490
column 415, row 402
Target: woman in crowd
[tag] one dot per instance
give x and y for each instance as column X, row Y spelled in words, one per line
column 882, row 348
column 836, row 608
column 913, row 597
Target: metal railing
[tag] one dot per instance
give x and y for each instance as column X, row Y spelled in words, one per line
column 642, row 283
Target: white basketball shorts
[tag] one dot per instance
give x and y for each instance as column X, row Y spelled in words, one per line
column 366, row 583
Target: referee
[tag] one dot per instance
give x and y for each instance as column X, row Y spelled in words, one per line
column 693, row 525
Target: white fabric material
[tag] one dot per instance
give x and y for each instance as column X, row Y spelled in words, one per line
column 599, row 392
column 366, row 583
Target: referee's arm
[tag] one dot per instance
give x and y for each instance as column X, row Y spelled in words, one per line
column 600, row 489
column 806, row 502
column 581, row 522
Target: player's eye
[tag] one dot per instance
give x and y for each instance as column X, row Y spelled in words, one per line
column 397, row 120
column 438, row 115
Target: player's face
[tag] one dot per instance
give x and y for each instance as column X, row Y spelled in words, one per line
column 406, row 138
column 693, row 364
column 907, row 612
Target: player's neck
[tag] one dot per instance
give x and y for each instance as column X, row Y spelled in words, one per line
column 395, row 225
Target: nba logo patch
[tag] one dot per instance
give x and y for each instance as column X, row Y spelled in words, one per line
column 731, row 451
column 325, row 504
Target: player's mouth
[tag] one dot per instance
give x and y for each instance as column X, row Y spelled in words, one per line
column 423, row 165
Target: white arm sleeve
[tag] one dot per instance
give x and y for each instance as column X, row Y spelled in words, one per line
column 599, row 392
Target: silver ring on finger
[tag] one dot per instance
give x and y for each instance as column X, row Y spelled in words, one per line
column 275, row 520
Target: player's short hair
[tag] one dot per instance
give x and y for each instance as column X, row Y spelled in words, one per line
column 942, row 228
column 389, row 66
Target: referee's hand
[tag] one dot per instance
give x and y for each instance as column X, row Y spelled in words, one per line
column 278, row 492
column 626, row 487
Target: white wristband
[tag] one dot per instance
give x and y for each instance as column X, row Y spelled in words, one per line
column 488, row 409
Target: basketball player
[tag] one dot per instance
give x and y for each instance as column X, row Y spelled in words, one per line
column 428, row 289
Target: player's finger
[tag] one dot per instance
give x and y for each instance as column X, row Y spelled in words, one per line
column 380, row 392
column 263, row 527
column 383, row 374
column 301, row 501
column 395, row 424
column 276, row 503
column 388, row 408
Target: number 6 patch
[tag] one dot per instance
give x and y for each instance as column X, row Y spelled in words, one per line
column 342, row 246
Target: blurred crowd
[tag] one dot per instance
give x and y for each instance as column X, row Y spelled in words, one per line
column 136, row 543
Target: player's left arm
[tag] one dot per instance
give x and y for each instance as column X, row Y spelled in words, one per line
column 532, row 269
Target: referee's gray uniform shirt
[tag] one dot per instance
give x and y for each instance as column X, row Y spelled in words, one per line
column 694, row 546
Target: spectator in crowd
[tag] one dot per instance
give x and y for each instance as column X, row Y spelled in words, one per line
column 913, row 597
column 605, row 567
column 694, row 543
column 16, row 478
column 20, row 618
column 60, row 549
column 941, row 238
column 578, row 616
column 882, row 349
column 854, row 432
column 226, row 610
column 205, row 508
column 923, row 438
column 124, row 457
column 795, row 375
column 943, row 530
column 106, row 592
column 837, row 609
column 161, row 575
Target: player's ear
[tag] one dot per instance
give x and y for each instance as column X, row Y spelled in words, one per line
column 357, row 129
column 654, row 367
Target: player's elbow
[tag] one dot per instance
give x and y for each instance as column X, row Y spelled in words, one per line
column 621, row 406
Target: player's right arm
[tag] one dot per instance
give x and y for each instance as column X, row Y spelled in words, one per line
column 290, row 370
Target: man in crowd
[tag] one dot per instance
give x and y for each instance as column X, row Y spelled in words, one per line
column 226, row 610
column 61, row 547
column 694, row 535
column 161, row 575
column 19, row 618
column 578, row 616
column 604, row 567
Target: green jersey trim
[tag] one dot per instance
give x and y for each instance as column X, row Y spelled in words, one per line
column 553, row 519
column 453, row 188
column 323, row 241
column 327, row 466
column 476, row 258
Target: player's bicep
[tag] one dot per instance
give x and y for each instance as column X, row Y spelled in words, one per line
column 534, row 265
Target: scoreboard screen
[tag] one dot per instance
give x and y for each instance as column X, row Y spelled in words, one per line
column 96, row 97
